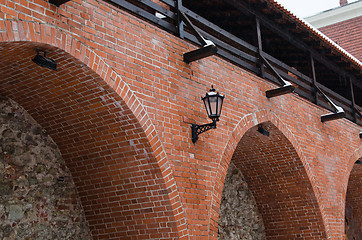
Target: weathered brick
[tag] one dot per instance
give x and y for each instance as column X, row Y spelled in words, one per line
column 116, row 135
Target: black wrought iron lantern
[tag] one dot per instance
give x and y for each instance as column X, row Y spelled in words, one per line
column 213, row 103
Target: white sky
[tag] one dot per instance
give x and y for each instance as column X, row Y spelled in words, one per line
column 306, row 8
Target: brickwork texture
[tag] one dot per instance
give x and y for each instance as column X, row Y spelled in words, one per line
column 116, row 108
column 347, row 34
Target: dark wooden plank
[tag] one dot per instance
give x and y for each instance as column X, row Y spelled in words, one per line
column 334, row 95
column 260, row 48
column 159, row 8
column 237, row 60
column 228, row 47
column 142, row 13
column 287, row 67
column 218, row 29
column 289, row 37
column 224, row 54
column 171, row 3
column 295, row 80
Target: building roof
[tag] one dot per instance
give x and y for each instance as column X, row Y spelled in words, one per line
column 308, row 27
column 335, row 15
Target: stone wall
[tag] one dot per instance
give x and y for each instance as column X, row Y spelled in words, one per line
column 38, row 199
column 239, row 216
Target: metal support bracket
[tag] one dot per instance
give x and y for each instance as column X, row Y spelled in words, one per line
column 58, row 2
column 196, row 130
column 208, row 49
column 286, row 87
column 360, row 135
column 338, row 111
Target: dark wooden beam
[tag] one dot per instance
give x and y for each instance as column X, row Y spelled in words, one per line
column 260, row 5
column 260, row 48
column 279, row 91
column 289, row 26
column 287, row 36
column 302, row 34
column 218, row 29
column 354, row 112
column 332, row 116
column 338, row 111
column 315, row 90
column 144, row 14
column 180, row 23
column 200, row 53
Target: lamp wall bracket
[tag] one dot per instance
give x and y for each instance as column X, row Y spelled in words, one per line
column 196, row 129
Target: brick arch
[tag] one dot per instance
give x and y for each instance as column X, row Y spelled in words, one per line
column 250, row 122
column 352, row 196
column 117, row 95
column 356, row 155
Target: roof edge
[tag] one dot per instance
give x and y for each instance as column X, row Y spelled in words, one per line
column 308, row 27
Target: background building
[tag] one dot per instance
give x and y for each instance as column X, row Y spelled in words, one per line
column 343, row 25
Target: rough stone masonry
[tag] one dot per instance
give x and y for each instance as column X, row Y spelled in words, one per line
column 239, row 215
column 38, row 199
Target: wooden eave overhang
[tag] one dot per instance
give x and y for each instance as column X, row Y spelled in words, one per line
column 264, row 38
column 314, row 35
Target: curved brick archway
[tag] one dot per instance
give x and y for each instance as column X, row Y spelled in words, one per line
column 353, row 212
column 356, row 155
column 58, row 116
column 353, row 197
column 302, row 173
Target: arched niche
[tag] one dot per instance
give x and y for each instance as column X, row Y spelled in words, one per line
column 279, row 183
column 38, row 198
column 353, row 210
column 118, row 179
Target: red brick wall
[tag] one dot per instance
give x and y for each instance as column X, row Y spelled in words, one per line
column 347, row 34
column 119, row 181
column 115, row 109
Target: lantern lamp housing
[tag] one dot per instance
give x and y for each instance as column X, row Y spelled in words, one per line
column 213, row 102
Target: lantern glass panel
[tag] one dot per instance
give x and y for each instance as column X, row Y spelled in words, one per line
column 213, row 105
column 207, row 105
column 219, row 105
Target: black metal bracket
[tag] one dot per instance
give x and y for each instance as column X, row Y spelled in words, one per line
column 338, row 111
column 360, row 135
column 58, row 2
column 196, row 130
column 286, row 87
column 208, row 49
